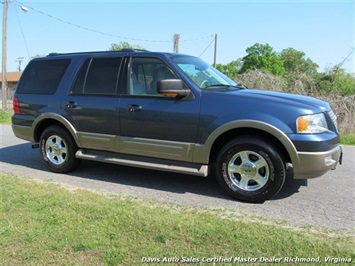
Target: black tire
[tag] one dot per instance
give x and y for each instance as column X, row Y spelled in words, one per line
column 58, row 150
column 250, row 169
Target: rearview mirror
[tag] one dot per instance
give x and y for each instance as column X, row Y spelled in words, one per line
column 172, row 88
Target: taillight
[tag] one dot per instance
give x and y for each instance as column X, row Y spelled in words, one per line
column 16, row 106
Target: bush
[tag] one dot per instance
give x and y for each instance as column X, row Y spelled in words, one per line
column 262, row 80
column 337, row 88
column 345, row 83
column 336, row 80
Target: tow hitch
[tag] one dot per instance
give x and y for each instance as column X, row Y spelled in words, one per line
column 35, row 146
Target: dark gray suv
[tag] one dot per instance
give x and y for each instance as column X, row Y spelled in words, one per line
column 172, row 112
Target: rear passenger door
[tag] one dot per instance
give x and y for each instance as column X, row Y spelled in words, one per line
column 151, row 124
column 93, row 101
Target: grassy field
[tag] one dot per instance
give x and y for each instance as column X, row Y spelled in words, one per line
column 43, row 224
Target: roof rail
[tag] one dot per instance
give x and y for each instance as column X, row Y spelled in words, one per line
column 125, row 50
column 53, row 54
column 132, row 50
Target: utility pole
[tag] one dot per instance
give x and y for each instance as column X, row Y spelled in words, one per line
column 215, row 50
column 19, row 60
column 176, row 42
column 3, row 65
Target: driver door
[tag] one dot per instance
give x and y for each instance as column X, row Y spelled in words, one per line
column 151, row 124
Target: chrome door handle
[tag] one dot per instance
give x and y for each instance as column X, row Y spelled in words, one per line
column 134, row 108
column 72, row 104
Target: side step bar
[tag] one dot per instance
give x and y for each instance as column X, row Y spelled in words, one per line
column 144, row 162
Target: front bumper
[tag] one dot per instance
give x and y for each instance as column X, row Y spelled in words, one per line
column 314, row 164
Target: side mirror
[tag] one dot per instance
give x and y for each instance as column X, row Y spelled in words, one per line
column 172, row 88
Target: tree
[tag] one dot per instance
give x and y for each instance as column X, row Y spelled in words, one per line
column 295, row 61
column 231, row 69
column 262, row 57
column 124, row 45
column 336, row 79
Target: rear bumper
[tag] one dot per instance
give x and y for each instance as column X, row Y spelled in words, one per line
column 23, row 132
column 314, row 164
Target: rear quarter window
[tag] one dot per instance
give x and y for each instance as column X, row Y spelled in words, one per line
column 43, row 77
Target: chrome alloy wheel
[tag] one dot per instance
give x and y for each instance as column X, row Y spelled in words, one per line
column 56, row 150
column 248, row 170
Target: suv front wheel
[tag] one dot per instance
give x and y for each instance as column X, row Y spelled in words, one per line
column 58, row 150
column 250, row 169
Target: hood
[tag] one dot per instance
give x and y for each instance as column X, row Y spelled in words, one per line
column 276, row 108
column 285, row 99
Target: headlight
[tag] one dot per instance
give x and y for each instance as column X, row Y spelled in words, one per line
column 311, row 123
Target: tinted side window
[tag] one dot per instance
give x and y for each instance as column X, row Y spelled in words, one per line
column 78, row 87
column 145, row 74
column 98, row 76
column 43, row 77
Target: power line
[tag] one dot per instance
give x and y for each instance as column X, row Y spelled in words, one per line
column 23, row 35
column 101, row 32
column 207, row 48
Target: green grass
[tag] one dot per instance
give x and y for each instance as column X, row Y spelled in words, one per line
column 348, row 139
column 5, row 116
column 42, row 224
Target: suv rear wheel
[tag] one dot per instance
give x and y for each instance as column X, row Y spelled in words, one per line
column 250, row 169
column 58, row 150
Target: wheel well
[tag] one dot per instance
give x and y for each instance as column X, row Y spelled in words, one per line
column 45, row 124
column 234, row 133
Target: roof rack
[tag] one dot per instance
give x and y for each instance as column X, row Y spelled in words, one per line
column 124, row 50
column 131, row 50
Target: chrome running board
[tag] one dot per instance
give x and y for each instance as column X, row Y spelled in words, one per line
column 144, row 162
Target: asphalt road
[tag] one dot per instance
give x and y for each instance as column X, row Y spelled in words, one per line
column 327, row 201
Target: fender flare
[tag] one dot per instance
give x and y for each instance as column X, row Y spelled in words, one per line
column 60, row 119
column 202, row 151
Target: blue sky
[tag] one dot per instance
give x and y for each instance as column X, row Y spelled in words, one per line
column 324, row 30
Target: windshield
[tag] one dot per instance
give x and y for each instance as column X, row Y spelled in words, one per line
column 201, row 73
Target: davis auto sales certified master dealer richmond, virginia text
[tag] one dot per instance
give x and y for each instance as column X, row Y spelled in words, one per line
column 236, row 259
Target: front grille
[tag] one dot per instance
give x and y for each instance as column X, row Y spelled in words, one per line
column 334, row 118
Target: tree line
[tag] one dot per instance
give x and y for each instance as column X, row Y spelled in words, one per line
column 286, row 65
